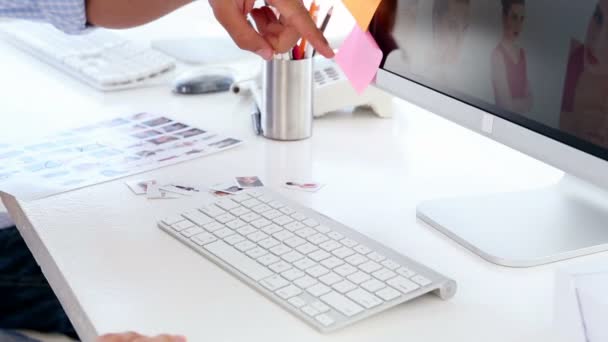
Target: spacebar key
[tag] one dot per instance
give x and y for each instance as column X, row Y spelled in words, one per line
column 238, row 260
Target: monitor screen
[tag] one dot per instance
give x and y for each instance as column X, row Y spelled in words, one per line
column 541, row 64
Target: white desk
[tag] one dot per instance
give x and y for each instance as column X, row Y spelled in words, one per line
column 114, row 270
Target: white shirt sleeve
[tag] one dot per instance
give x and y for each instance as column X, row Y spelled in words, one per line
column 67, row 15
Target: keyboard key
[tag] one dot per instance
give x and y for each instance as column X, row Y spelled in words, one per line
column 225, row 218
column 223, row 233
column 359, row 277
column 348, row 243
column 310, row 222
column 198, row 218
column 246, row 230
column 250, row 203
column 319, row 255
column 234, row 239
column 280, row 267
column 192, row 231
column 376, row 257
column 373, row 285
column 289, row 291
column 325, row 320
column 342, row 304
column 305, row 282
column 310, row 311
column 292, row 257
column 203, row 239
column 261, row 208
column 344, row 286
column 227, row 204
column 244, row 246
column 332, row 262
column 260, row 223
column 271, row 229
column 171, row 220
column 370, row 267
column 298, row 216
column 293, row 226
column 283, row 235
column 306, row 248
column 255, row 193
column 362, row 250
column 212, row 210
column 345, row 270
column 356, row 259
column 335, row 236
column 364, row 298
column 304, row 263
column 238, row 260
column 269, row 243
column 403, row 285
column 272, row 214
column 282, row 220
column 384, row 274
column 294, row 242
column 390, row 264
column 265, row 198
column 420, row 280
column 318, row 290
column 239, row 211
column 317, row 271
column 388, row 293
column 293, row 274
column 323, row 229
column 256, row 252
column 182, row 225
column 330, row 279
column 305, row 232
column 213, row 226
column 240, row 198
column 406, row 272
column 268, row 259
column 318, row 239
column 274, row 283
column 297, row 302
column 236, row 224
column 280, row 250
column 276, row 204
column 343, row 252
column 330, row 245
column 250, row 217
column 287, row 210
column 320, row 306
column 257, row 236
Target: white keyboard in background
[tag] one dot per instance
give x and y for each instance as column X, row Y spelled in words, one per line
column 318, row 269
column 100, row 58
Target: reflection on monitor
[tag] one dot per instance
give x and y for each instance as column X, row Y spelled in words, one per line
column 542, row 60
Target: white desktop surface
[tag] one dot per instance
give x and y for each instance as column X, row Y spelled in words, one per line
column 115, row 270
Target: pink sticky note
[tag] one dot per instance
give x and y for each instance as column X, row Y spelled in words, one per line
column 359, row 57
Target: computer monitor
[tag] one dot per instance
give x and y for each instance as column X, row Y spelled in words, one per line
column 531, row 74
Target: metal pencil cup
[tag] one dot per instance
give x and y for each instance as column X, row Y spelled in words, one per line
column 287, row 99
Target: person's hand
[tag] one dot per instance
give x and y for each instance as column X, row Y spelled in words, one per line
column 135, row 337
column 276, row 35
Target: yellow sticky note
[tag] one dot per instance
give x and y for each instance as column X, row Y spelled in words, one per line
column 362, row 10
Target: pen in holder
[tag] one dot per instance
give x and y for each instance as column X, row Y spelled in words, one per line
column 287, row 99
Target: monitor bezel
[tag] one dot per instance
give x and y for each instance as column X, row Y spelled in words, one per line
column 572, row 155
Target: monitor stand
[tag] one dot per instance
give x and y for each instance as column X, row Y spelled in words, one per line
column 526, row 229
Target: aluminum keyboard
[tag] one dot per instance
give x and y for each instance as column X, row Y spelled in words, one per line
column 318, row 269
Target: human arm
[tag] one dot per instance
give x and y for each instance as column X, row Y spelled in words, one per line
column 135, row 337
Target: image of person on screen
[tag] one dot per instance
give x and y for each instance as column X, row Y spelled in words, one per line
column 451, row 20
column 509, row 65
column 395, row 32
column 585, row 97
